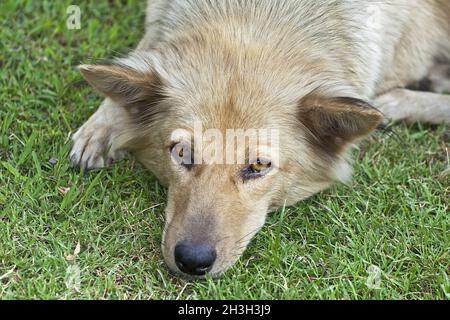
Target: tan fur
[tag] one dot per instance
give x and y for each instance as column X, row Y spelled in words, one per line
column 311, row 69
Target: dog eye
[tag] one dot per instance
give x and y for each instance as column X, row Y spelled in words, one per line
column 257, row 169
column 182, row 154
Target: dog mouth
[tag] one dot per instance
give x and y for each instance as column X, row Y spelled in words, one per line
column 205, row 236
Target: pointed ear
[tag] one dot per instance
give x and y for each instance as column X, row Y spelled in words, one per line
column 336, row 122
column 122, row 83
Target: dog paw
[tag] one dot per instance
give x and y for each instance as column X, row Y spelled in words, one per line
column 93, row 148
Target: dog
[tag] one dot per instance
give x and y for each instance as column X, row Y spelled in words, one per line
column 322, row 75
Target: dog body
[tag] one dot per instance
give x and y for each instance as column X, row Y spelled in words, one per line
column 310, row 70
column 375, row 46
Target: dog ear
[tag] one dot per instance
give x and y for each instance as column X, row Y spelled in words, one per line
column 334, row 123
column 122, row 83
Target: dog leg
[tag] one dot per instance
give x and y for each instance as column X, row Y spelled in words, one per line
column 414, row 106
column 93, row 146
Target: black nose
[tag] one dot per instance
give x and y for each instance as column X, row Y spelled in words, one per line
column 194, row 259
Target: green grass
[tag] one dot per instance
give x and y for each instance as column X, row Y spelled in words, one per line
column 393, row 216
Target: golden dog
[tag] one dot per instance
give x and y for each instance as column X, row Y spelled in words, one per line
column 319, row 74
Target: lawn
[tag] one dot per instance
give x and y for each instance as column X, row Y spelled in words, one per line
column 385, row 236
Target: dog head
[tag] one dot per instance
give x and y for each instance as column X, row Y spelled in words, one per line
column 221, row 189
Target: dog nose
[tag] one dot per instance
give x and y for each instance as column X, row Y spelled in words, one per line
column 194, row 259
